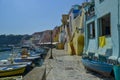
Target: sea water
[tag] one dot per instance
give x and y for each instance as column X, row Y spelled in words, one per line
column 5, row 55
column 8, row 54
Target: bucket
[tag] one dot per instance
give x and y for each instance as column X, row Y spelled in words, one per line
column 60, row 46
column 116, row 69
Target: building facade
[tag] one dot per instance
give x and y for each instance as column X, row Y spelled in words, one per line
column 102, row 32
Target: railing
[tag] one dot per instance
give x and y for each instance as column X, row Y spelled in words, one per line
column 91, row 11
column 90, row 14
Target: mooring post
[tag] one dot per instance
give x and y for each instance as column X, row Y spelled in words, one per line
column 51, row 56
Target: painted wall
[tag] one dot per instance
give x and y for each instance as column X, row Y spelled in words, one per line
column 104, row 8
column 70, row 23
column 101, row 9
column 90, row 44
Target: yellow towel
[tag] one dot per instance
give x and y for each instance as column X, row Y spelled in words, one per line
column 60, row 46
column 102, row 41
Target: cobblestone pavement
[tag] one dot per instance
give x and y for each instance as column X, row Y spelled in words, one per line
column 66, row 67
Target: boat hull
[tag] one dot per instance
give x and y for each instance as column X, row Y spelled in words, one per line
column 26, row 59
column 12, row 72
column 100, row 67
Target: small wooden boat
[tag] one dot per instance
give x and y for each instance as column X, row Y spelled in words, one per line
column 33, row 54
column 12, row 70
column 35, row 60
column 29, row 64
column 24, row 59
column 100, row 67
column 25, row 56
column 11, row 63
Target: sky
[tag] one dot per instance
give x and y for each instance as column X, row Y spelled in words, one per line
column 29, row 16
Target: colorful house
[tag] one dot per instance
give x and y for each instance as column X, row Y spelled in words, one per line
column 102, row 28
column 102, row 34
column 55, row 33
column 76, row 23
column 63, row 35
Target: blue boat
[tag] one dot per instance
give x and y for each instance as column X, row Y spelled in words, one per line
column 11, row 63
column 12, row 70
column 19, row 59
column 97, row 66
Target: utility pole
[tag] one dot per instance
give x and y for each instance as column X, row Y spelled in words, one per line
column 51, row 56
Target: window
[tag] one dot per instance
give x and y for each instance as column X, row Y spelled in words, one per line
column 100, row 1
column 91, row 30
column 104, row 23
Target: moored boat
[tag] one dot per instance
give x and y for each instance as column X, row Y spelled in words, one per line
column 20, row 59
column 29, row 64
column 25, row 56
column 97, row 66
column 12, row 70
column 4, row 63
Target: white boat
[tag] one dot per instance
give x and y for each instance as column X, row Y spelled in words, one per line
column 20, row 59
column 10, row 63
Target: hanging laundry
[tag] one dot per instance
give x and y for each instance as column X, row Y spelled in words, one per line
column 102, row 41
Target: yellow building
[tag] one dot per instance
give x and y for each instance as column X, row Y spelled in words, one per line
column 76, row 23
column 63, row 35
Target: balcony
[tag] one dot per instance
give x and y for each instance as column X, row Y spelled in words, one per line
column 90, row 13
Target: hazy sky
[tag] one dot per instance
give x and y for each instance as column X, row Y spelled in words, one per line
column 29, row 16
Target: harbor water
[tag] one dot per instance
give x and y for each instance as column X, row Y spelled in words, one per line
column 8, row 54
column 5, row 55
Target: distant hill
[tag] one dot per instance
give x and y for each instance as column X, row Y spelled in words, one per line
column 35, row 38
column 11, row 39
